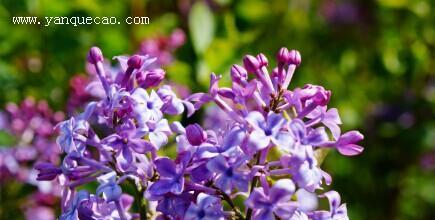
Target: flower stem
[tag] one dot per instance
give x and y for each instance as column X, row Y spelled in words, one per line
column 230, row 202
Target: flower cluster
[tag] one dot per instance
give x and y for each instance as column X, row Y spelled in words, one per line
column 266, row 152
column 163, row 47
column 83, row 88
column 31, row 123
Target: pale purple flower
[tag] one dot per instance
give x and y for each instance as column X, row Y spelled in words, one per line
column 172, row 104
column 266, row 129
column 275, row 202
column 47, row 171
column 108, row 187
column 127, row 141
column 228, row 175
column 147, row 107
column 206, row 207
column 71, row 213
column 336, row 211
column 157, row 132
column 301, row 135
column 346, row 144
column 67, row 131
column 175, row 205
column 171, row 177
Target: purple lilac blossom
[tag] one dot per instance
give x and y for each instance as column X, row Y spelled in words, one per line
column 31, row 123
column 266, row 151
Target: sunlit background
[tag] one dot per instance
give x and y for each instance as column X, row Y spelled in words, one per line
column 377, row 57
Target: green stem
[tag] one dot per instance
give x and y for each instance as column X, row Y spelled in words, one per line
column 140, row 199
column 230, row 202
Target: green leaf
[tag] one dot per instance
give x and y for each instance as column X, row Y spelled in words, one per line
column 201, row 27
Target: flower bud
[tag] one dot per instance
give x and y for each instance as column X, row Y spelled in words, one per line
column 238, row 73
column 262, row 59
column 150, row 78
column 134, row 62
column 283, row 55
column 322, row 97
column 47, row 171
column 294, row 57
column 95, row 55
column 251, row 63
column 195, row 134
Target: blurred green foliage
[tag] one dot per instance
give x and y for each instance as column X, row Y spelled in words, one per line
column 377, row 57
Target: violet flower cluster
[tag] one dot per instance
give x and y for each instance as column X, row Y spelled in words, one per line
column 267, row 152
column 31, row 124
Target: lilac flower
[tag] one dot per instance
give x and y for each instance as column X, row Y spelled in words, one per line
column 109, row 188
column 47, row 171
column 195, row 134
column 172, row 104
column 147, row 107
column 228, row 176
column 206, row 207
column 211, row 166
column 175, row 205
column 307, row 175
column 228, row 147
column 346, row 143
column 266, row 130
column 151, row 78
column 275, row 202
column 336, row 212
column 125, row 143
column 67, row 130
column 301, row 139
column 157, row 132
column 171, row 178
column 71, row 213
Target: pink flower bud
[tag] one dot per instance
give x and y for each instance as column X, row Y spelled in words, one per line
column 95, row 55
column 251, row 63
column 294, row 57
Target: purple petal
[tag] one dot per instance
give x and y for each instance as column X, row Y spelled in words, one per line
column 241, row 182
column 350, row 137
column 218, row 164
column 256, row 120
column 258, row 139
column 224, row 183
column 316, row 137
column 297, row 127
column 232, row 139
column 189, row 107
column 285, row 210
column 204, row 201
column 274, row 121
column 282, row 191
column 263, row 214
column 158, row 139
column 331, row 119
column 165, row 167
column 200, row 173
column 125, row 158
column 284, row 141
column 350, row 149
column 140, row 146
column 177, row 187
column 257, row 199
column 161, row 187
column 333, row 198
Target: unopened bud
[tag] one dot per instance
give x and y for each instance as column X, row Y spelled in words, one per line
column 95, row 55
column 294, row 57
